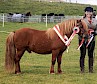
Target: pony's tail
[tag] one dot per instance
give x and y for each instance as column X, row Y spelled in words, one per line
column 10, row 53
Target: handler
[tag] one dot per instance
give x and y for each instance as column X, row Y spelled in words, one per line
column 92, row 25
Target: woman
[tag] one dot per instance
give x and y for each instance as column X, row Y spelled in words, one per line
column 92, row 25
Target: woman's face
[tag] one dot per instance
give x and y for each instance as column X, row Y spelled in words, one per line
column 88, row 14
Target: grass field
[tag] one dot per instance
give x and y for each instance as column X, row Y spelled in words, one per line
column 35, row 67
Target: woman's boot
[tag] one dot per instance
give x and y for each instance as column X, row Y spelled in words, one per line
column 90, row 65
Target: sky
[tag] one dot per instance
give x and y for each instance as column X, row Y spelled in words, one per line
column 92, row 2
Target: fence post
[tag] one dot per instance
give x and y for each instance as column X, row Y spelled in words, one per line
column 3, row 21
column 46, row 20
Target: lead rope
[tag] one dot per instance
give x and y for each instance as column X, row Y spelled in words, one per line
column 81, row 43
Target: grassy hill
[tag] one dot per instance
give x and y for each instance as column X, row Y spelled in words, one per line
column 35, row 7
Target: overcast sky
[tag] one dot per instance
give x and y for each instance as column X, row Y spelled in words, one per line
column 92, row 2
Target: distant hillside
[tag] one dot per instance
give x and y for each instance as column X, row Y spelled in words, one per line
column 36, row 7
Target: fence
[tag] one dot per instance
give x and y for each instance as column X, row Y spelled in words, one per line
column 36, row 18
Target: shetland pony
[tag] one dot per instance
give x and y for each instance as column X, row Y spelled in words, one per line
column 41, row 42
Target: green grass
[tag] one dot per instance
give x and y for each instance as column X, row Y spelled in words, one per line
column 35, row 67
column 35, row 7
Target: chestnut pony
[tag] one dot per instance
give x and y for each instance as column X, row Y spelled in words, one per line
column 41, row 42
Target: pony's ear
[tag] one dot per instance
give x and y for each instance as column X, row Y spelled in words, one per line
column 79, row 20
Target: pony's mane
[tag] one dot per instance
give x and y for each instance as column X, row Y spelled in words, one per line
column 50, row 33
column 66, row 27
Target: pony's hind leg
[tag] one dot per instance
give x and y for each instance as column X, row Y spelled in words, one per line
column 18, row 56
column 59, row 63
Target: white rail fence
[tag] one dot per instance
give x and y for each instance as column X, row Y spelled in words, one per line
column 36, row 18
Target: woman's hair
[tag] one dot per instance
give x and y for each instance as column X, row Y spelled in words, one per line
column 85, row 16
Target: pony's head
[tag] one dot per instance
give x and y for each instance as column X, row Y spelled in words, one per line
column 83, row 28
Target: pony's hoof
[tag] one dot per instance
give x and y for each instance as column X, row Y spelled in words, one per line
column 59, row 72
column 17, row 72
column 52, row 72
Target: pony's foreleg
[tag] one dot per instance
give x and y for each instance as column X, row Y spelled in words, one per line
column 52, row 65
column 59, row 58
column 17, row 61
column 54, row 56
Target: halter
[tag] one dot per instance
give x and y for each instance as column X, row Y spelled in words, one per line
column 65, row 39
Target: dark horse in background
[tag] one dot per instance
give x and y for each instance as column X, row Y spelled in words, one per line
column 41, row 42
column 51, row 17
column 17, row 17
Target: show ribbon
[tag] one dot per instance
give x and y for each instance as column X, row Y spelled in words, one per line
column 57, row 30
column 80, row 44
column 67, row 41
column 75, row 31
column 64, row 39
column 91, row 36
